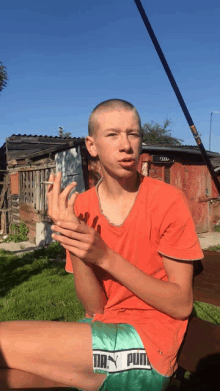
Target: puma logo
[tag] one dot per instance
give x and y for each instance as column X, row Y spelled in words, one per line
column 112, row 359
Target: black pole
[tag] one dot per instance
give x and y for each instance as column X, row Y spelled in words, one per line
column 178, row 93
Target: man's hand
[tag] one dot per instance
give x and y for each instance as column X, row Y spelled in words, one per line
column 59, row 207
column 83, row 241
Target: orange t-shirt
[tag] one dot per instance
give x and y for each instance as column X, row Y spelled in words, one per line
column 159, row 223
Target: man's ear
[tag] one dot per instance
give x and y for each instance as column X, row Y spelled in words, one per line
column 90, row 145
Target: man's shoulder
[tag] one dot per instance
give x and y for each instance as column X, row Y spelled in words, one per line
column 85, row 201
column 86, row 195
column 161, row 189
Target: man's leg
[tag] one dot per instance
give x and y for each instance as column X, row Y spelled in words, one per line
column 60, row 351
column 15, row 379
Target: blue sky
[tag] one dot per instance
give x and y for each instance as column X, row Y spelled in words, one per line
column 63, row 58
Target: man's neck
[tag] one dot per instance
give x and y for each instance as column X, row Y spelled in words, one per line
column 116, row 190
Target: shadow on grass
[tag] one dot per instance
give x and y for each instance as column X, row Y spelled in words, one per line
column 206, row 375
column 11, row 271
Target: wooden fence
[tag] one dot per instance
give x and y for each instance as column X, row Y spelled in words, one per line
column 32, row 191
column 4, row 202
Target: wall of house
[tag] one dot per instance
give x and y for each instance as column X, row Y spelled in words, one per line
column 194, row 179
column 5, row 207
column 30, row 203
column 69, row 163
column 215, row 211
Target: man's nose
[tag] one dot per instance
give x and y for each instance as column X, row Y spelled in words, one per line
column 125, row 143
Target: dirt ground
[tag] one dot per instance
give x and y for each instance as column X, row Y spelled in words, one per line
column 206, row 240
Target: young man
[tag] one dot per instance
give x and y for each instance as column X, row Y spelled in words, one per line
column 130, row 243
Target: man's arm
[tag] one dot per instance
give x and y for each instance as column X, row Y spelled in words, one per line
column 88, row 289
column 173, row 297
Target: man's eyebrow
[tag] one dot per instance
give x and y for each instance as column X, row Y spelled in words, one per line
column 127, row 130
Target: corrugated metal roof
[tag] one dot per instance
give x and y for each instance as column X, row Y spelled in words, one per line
column 22, row 146
column 184, row 148
column 14, row 136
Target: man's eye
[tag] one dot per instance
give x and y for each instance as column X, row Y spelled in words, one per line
column 112, row 134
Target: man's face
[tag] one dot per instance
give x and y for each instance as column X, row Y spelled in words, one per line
column 117, row 137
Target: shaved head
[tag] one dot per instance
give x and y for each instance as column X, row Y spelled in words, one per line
column 106, row 106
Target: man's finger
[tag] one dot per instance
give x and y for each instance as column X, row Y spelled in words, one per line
column 57, row 182
column 70, row 233
column 51, row 179
column 80, row 227
column 68, row 189
column 49, row 194
column 56, row 191
column 63, row 198
column 71, row 202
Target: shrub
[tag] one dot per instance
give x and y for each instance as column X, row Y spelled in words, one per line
column 18, row 233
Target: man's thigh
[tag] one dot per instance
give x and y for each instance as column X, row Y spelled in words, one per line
column 60, row 351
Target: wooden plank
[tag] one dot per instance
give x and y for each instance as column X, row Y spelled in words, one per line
column 14, row 214
column 43, row 191
column 38, row 190
column 26, row 187
column 22, row 193
column 52, row 165
column 15, row 218
column 34, row 188
column 3, row 196
column 47, row 174
column 207, row 281
column 202, row 339
column 15, row 202
column 29, row 187
column 23, row 187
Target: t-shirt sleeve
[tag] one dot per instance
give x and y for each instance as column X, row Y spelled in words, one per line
column 68, row 266
column 178, row 237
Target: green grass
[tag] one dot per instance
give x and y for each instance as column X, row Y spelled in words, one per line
column 34, row 287
column 214, row 248
column 208, row 312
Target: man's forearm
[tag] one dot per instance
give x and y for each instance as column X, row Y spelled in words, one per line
column 88, row 289
column 165, row 296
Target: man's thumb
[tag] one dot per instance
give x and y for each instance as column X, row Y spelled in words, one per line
column 72, row 199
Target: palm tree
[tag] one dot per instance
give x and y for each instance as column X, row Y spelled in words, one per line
column 3, row 76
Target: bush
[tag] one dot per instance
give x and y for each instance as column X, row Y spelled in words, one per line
column 18, row 233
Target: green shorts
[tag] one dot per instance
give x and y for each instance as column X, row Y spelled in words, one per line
column 119, row 352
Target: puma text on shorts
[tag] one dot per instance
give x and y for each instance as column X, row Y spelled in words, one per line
column 119, row 353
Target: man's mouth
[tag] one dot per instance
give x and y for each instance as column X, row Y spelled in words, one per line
column 126, row 160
